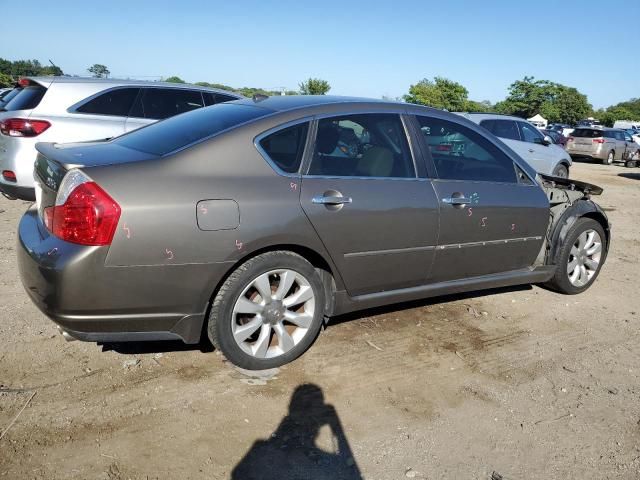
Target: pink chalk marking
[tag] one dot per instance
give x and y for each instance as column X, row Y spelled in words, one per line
column 294, row 186
column 127, row 230
column 470, row 211
column 203, row 209
column 239, row 244
column 169, row 254
column 483, row 224
column 513, row 227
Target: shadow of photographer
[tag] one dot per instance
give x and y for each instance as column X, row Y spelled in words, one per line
column 292, row 452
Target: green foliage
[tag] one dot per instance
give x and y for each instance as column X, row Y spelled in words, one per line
column 216, row 85
column 629, row 110
column 174, row 79
column 6, row 80
column 472, row 106
column 98, row 71
column 555, row 102
column 440, row 93
column 26, row 68
column 314, row 86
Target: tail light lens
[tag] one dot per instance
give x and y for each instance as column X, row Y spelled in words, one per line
column 9, row 176
column 84, row 213
column 23, row 127
column 598, row 140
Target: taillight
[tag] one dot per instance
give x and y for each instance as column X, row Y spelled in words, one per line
column 598, row 140
column 23, row 127
column 84, row 213
column 24, row 82
column 9, row 176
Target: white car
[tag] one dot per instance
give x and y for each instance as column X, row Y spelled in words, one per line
column 527, row 141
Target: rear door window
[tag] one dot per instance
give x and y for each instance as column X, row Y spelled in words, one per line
column 460, row 153
column 114, row 102
column 502, row 128
column 285, row 147
column 161, row 103
column 26, row 99
column 366, row 145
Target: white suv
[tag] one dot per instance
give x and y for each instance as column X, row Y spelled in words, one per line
column 527, row 141
column 69, row 109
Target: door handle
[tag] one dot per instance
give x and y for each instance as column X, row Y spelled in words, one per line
column 331, row 200
column 456, row 201
column 531, row 150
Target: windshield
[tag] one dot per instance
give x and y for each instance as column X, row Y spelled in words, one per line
column 182, row 130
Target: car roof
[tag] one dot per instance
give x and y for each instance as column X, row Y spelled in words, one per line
column 113, row 82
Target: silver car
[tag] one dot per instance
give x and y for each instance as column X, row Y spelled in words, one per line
column 527, row 141
column 604, row 144
column 67, row 109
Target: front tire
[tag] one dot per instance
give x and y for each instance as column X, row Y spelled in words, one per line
column 580, row 259
column 268, row 312
column 561, row 171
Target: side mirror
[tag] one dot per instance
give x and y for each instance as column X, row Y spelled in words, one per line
column 547, row 140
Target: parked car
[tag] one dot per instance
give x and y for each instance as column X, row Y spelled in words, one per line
column 635, row 134
column 557, row 137
column 66, row 109
column 239, row 221
column 527, row 141
column 625, row 124
column 563, row 128
column 599, row 143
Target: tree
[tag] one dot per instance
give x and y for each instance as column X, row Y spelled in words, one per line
column 440, row 93
column 6, row 80
column 99, row 71
column 314, row 86
column 174, row 79
column 555, row 102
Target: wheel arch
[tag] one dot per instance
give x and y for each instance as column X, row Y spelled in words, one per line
column 580, row 209
column 325, row 268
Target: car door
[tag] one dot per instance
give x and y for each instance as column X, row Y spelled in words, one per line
column 377, row 218
column 541, row 156
column 493, row 215
column 155, row 104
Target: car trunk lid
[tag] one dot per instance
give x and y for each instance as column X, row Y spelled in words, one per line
column 55, row 160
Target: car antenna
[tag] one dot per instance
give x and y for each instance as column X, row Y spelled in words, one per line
column 258, row 97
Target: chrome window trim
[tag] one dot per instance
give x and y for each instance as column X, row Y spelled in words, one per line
column 398, row 112
column 258, row 138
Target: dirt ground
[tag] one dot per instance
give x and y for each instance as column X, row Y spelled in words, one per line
column 522, row 382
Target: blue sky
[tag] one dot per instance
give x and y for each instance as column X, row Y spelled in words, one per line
column 365, row 48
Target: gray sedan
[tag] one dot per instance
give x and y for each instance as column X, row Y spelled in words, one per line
column 255, row 221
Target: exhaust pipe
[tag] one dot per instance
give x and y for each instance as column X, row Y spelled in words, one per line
column 66, row 334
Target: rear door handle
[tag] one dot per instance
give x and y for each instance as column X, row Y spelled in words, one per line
column 531, row 150
column 331, row 200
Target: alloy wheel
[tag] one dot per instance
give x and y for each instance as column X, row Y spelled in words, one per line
column 584, row 258
column 273, row 313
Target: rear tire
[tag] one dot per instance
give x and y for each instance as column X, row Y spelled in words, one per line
column 561, row 171
column 256, row 331
column 610, row 156
column 580, row 259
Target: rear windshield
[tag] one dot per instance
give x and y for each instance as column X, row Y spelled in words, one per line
column 26, row 99
column 179, row 131
column 586, row 133
column 9, row 95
